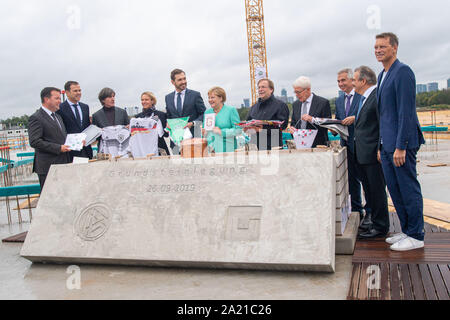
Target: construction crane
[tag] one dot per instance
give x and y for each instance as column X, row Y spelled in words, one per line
column 256, row 44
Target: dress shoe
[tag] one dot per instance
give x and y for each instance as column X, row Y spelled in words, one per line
column 371, row 234
column 408, row 244
column 367, row 221
column 396, row 238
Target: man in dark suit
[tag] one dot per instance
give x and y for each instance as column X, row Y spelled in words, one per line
column 47, row 134
column 367, row 136
column 307, row 107
column 346, row 109
column 75, row 116
column 184, row 103
column 109, row 115
column 401, row 137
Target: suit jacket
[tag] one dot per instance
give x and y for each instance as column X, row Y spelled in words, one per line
column 340, row 115
column 367, row 132
column 73, row 126
column 193, row 107
column 100, row 120
column 399, row 125
column 320, row 108
column 46, row 137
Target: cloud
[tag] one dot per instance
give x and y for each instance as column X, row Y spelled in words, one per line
column 131, row 46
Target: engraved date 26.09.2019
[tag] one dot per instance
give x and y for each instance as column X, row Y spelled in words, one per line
column 171, row 188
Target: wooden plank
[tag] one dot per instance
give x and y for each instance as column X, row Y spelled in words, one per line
column 363, row 291
column 437, row 210
column 434, row 228
column 445, row 272
column 406, row 282
column 438, row 281
column 384, row 290
column 427, row 282
column 19, row 238
column 394, row 281
column 419, row 291
column 354, row 284
column 427, row 228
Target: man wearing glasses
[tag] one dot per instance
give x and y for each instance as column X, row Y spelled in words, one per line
column 307, row 107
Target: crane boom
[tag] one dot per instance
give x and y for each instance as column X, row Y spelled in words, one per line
column 256, row 44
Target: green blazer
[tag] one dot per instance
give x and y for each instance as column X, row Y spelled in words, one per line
column 227, row 120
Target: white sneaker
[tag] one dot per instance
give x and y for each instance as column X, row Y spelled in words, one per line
column 408, row 244
column 396, row 238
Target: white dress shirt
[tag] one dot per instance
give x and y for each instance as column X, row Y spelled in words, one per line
column 183, row 95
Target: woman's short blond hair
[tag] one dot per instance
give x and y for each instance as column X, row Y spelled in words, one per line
column 218, row 91
column 151, row 96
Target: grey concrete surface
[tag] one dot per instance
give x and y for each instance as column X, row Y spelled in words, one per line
column 20, row 279
column 218, row 213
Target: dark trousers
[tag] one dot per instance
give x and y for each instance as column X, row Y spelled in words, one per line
column 405, row 192
column 42, row 178
column 354, row 184
column 375, row 190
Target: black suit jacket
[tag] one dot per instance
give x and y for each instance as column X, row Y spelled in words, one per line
column 100, row 120
column 46, row 137
column 193, row 107
column 320, row 108
column 367, row 132
column 73, row 126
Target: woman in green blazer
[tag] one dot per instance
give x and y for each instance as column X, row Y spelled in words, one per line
column 223, row 137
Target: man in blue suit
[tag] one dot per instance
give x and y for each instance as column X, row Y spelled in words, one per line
column 184, row 102
column 346, row 109
column 400, row 140
column 75, row 116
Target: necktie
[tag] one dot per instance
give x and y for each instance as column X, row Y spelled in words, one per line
column 304, row 111
column 77, row 114
column 360, row 106
column 56, row 120
column 179, row 104
column 349, row 105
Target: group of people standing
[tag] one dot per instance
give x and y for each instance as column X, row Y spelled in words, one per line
column 384, row 132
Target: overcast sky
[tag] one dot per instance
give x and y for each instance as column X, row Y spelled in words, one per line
column 131, row 46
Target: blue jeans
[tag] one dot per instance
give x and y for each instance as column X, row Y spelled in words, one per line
column 405, row 192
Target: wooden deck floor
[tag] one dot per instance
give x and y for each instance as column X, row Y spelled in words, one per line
column 382, row 274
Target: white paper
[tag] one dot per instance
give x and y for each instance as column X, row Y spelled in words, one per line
column 187, row 134
column 304, row 138
column 210, row 121
column 75, row 141
column 79, row 160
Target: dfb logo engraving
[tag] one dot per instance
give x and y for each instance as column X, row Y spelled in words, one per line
column 93, row 222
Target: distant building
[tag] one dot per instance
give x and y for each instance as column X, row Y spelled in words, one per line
column 433, row 86
column 284, row 93
column 247, row 103
column 291, row 100
column 421, row 88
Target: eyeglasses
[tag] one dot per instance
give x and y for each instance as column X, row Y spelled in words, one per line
column 300, row 92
